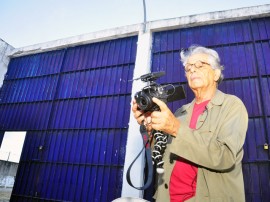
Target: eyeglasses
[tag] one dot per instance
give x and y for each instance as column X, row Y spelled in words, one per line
column 198, row 64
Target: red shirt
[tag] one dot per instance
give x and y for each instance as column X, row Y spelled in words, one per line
column 184, row 175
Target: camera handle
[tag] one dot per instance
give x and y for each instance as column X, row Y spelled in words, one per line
column 147, row 147
column 161, row 140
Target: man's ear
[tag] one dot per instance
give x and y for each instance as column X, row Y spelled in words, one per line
column 217, row 74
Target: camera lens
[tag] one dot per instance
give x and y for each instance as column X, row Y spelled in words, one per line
column 143, row 101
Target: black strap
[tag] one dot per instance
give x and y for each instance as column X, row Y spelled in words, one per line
column 147, row 147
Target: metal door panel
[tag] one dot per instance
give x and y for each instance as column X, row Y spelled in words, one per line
column 263, row 57
column 260, row 28
column 254, row 145
column 75, row 104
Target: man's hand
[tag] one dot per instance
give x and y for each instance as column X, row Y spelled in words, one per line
column 164, row 120
column 140, row 116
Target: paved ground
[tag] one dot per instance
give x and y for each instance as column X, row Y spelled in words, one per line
column 5, row 194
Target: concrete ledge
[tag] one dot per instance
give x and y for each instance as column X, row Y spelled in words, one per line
column 211, row 18
column 104, row 35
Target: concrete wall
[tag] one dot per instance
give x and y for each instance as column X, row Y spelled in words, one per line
column 8, row 172
column 5, row 48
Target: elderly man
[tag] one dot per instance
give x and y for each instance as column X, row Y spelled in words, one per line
column 202, row 161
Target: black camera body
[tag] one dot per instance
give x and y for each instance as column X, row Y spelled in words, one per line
column 144, row 97
column 165, row 93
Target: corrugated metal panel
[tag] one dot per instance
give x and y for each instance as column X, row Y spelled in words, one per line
column 30, row 89
column 72, row 165
column 75, row 105
column 25, row 116
column 97, row 112
column 244, row 48
column 35, row 65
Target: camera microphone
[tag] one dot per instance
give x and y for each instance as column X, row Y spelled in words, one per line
column 150, row 76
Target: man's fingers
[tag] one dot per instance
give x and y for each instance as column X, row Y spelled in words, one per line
column 140, row 120
column 148, row 120
column 137, row 114
column 134, row 106
column 149, row 127
column 160, row 103
column 155, row 120
column 140, row 115
column 155, row 126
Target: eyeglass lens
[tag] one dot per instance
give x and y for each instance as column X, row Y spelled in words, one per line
column 197, row 64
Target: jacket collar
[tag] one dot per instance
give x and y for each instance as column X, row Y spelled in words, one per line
column 217, row 100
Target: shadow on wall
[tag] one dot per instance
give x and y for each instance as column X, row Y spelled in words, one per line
column 7, row 178
column 7, row 173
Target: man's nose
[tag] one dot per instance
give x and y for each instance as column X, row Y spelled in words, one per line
column 192, row 68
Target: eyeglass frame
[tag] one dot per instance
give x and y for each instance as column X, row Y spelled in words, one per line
column 196, row 66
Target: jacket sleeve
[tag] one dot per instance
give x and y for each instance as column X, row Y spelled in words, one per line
column 217, row 150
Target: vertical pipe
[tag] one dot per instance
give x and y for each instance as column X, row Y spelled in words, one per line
column 144, row 16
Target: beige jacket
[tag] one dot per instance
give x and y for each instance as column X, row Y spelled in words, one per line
column 216, row 146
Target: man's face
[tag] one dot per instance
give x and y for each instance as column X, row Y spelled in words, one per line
column 203, row 77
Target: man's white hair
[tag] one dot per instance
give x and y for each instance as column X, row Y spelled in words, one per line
column 214, row 59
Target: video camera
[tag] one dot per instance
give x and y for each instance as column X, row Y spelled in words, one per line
column 166, row 93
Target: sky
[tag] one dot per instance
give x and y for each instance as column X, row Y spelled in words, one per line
column 29, row 22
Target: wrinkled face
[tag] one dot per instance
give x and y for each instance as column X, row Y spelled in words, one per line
column 199, row 73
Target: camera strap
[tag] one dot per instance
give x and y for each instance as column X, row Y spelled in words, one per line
column 147, row 147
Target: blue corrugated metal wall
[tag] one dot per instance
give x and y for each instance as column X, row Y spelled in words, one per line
column 75, row 105
column 244, row 48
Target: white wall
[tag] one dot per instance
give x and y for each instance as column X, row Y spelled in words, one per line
column 134, row 139
column 5, row 48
